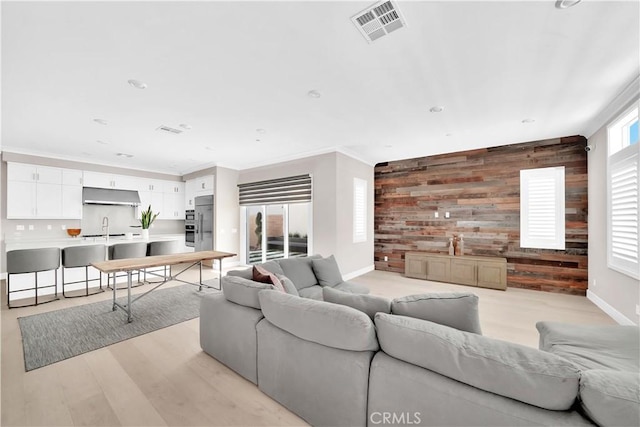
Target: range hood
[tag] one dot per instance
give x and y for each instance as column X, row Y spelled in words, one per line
column 108, row 196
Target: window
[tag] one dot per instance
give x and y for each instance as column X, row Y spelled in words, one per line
column 622, row 198
column 277, row 218
column 542, row 208
column 359, row 210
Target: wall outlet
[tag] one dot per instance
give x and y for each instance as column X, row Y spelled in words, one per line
column 386, row 258
column 446, row 214
column 595, row 284
column 436, row 215
column 64, row 227
column 31, row 227
column 234, row 230
column 49, row 227
column 20, row 227
column 638, row 309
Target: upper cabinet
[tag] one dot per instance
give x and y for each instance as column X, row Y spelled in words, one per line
column 34, row 191
column 105, row 180
column 201, row 186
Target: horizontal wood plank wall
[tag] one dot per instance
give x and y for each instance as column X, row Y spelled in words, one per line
column 481, row 190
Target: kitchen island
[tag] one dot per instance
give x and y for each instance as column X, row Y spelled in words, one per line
column 25, row 281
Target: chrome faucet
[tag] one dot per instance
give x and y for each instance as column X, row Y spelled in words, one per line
column 105, row 227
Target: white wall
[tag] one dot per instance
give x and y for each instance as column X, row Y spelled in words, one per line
column 227, row 217
column 332, row 233
column 615, row 293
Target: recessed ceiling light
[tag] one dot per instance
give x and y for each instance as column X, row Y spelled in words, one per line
column 185, row 126
column 208, row 148
column 388, row 146
column 261, row 131
column 527, row 121
column 436, row 109
column 448, row 134
column 124, row 155
column 314, row 94
column 566, row 4
column 137, row 84
column 101, row 121
column 257, row 140
column 101, row 142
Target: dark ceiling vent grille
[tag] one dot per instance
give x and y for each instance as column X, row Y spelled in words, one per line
column 169, row 129
column 379, row 20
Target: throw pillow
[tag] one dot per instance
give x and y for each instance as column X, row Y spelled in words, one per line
column 368, row 304
column 288, row 285
column 243, row 291
column 327, row 271
column 457, row 309
column 263, row 276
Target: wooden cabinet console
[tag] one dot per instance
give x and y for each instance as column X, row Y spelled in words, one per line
column 484, row 272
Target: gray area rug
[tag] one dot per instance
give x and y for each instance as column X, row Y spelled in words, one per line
column 57, row 335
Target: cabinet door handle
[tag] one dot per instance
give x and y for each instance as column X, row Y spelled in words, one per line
column 38, row 176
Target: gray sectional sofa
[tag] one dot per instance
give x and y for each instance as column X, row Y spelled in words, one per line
column 418, row 360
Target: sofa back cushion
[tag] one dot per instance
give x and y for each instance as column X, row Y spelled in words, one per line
column 331, row 325
column 327, row 271
column 511, row 370
column 368, row 304
column 611, row 398
column 245, row 273
column 243, row 291
column 299, row 271
column 288, row 285
column 456, row 309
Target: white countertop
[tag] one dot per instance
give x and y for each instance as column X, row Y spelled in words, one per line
column 63, row 242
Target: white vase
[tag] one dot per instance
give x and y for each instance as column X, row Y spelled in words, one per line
column 145, row 233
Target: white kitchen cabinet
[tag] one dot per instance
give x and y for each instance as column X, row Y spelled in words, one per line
column 153, row 199
column 173, row 206
column 72, row 177
column 204, row 185
column 174, row 187
column 33, row 191
column 72, row 193
column 152, row 185
column 190, row 194
column 106, row 180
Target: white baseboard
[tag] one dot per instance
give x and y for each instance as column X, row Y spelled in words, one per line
column 612, row 312
column 359, row 272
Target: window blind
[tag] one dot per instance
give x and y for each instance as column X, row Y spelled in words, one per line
column 542, row 213
column 293, row 189
column 623, row 211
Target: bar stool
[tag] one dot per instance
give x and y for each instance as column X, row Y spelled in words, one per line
column 127, row 250
column 82, row 256
column 22, row 261
column 166, row 247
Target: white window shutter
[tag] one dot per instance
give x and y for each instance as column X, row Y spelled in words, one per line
column 542, row 208
column 623, row 239
column 359, row 210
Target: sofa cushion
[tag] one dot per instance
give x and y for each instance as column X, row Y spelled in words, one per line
column 287, row 284
column 511, row 370
column 354, row 288
column 611, row 398
column 243, row 291
column 264, row 276
column 272, row 266
column 368, row 304
column 593, row 346
column 457, row 309
column 327, row 271
column 245, row 273
column 312, row 292
column 331, row 325
column 299, row 271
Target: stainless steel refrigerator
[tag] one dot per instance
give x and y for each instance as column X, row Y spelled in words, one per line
column 204, row 223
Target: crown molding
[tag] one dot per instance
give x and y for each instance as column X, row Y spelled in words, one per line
column 629, row 94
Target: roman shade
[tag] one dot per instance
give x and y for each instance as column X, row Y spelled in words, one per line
column 293, row 189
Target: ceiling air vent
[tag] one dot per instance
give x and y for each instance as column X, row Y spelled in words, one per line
column 169, row 129
column 379, row 20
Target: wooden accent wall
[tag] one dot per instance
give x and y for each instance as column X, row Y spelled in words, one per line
column 481, row 190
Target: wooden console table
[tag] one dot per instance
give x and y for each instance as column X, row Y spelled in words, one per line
column 484, row 272
column 129, row 265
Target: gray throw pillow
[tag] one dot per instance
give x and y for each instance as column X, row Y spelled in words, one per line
column 288, row 285
column 327, row 271
column 511, row 370
column 458, row 310
column 243, row 291
column 368, row 304
column 611, row 398
column 299, row 271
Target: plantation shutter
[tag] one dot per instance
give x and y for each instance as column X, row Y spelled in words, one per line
column 359, row 210
column 623, row 211
column 542, row 213
column 293, row 189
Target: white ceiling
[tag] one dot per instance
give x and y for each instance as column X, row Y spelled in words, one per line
column 230, row 68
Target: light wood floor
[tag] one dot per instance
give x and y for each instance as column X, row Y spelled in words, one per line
column 164, row 378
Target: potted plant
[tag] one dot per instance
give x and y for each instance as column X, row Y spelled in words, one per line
column 146, row 219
